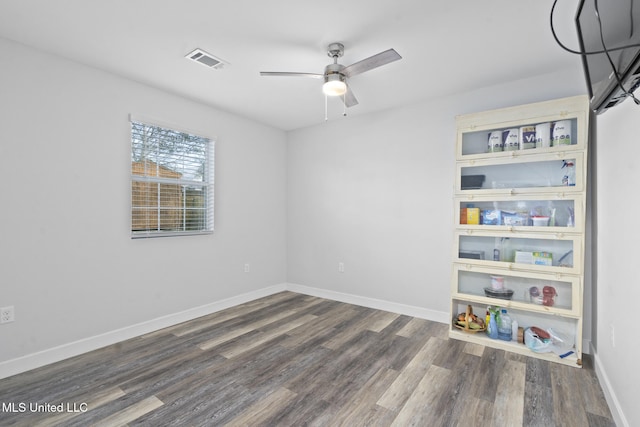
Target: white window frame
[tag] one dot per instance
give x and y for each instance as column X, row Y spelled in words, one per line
column 206, row 183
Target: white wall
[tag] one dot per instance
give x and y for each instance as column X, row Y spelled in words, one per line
column 618, row 279
column 376, row 193
column 68, row 265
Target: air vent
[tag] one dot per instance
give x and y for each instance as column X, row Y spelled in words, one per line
column 206, row 59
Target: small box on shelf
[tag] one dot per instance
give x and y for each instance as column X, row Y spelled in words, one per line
column 492, row 217
column 473, row 216
column 535, row 258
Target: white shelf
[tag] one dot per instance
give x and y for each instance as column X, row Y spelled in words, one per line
column 513, row 175
column 482, row 339
column 517, row 305
column 518, row 185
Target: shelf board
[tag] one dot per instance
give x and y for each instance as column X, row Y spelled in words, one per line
column 558, row 271
column 574, row 360
column 559, row 149
column 552, row 231
column 517, row 305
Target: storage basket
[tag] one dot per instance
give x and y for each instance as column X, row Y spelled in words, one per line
column 464, row 325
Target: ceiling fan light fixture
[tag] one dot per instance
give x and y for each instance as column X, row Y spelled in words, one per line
column 334, row 85
column 335, row 75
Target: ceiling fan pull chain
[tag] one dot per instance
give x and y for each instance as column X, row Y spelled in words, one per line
column 325, row 108
column 344, row 104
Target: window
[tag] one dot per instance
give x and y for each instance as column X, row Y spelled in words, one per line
column 171, row 182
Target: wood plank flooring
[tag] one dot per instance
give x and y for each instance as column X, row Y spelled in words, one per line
column 296, row 360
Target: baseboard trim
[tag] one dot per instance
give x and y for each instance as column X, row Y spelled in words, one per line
column 394, row 307
column 65, row 351
column 609, row 393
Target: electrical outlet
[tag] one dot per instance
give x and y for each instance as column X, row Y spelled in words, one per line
column 341, row 267
column 7, row 314
column 247, row 267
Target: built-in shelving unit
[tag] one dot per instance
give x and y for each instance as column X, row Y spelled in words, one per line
column 520, row 211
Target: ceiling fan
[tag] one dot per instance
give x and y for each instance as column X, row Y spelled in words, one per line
column 335, row 75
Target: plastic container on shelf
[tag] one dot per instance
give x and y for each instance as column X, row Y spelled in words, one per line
column 569, row 177
column 497, row 282
column 547, row 297
column 507, row 250
column 540, row 221
column 504, row 326
column 492, row 327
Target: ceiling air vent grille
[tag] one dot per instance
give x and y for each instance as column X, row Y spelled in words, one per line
column 206, row 59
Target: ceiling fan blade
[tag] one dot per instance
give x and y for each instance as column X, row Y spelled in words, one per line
column 287, row 74
column 349, row 98
column 371, row 62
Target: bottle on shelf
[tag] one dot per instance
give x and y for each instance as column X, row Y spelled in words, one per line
column 492, row 327
column 571, row 219
column 514, row 330
column 496, row 250
column 569, row 177
column 504, row 326
column 507, row 254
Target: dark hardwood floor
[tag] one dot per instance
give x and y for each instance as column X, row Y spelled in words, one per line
column 296, row 360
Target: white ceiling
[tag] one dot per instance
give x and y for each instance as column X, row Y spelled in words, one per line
column 448, row 46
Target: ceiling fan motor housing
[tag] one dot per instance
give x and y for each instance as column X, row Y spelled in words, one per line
column 335, row 50
column 334, row 72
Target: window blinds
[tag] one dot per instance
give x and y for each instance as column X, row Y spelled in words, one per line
column 171, row 182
